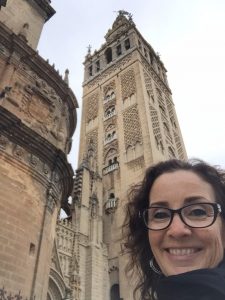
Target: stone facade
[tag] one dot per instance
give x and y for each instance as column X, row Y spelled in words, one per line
column 129, row 122
column 37, row 121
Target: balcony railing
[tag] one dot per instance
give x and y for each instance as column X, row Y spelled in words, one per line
column 110, row 168
column 111, row 205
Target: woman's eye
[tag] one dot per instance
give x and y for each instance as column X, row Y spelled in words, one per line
column 161, row 215
column 198, row 212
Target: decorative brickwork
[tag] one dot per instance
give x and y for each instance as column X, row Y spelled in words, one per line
column 179, row 145
column 128, row 83
column 92, row 141
column 132, row 126
column 148, row 83
column 136, row 164
column 92, row 104
column 158, row 81
column 156, row 125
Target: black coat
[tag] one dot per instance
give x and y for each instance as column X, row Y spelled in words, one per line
column 203, row 284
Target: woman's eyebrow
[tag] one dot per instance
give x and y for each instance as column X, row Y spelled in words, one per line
column 188, row 200
column 194, row 199
column 159, row 203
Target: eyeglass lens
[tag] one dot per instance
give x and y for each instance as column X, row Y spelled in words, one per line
column 194, row 215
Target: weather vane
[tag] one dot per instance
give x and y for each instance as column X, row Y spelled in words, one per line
column 123, row 12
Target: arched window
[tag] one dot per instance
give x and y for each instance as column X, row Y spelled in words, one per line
column 162, row 109
column 110, row 110
column 118, row 50
column 127, row 44
column 111, row 196
column 90, row 70
column 166, row 128
column 108, row 55
column 171, row 152
column 115, row 292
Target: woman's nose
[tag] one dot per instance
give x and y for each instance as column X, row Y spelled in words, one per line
column 177, row 228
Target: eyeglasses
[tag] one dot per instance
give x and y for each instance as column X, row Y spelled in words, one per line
column 198, row 215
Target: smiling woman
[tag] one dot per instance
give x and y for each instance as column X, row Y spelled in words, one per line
column 175, row 234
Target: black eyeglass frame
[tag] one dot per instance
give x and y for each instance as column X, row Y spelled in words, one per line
column 216, row 209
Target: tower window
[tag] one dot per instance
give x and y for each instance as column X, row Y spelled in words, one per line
column 118, row 50
column 90, row 71
column 145, row 52
column 108, row 55
column 97, row 66
column 127, row 44
column 139, row 45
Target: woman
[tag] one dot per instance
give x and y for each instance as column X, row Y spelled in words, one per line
column 175, row 232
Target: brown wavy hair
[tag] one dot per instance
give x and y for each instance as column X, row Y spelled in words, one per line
column 135, row 233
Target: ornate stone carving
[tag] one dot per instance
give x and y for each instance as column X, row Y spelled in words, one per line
column 136, row 164
column 155, row 125
column 18, row 152
column 92, row 141
column 109, row 86
column 92, row 104
column 178, row 145
column 110, row 149
column 132, row 126
column 3, row 142
column 109, row 127
column 39, row 109
column 51, row 200
column 5, row 295
column 16, row 94
column 155, row 77
column 109, row 103
column 33, row 160
column 128, row 83
column 148, row 83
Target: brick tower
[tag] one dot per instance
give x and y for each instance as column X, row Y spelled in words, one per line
column 37, row 121
column 128, row 123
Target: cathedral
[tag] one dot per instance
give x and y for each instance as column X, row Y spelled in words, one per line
column 128, row 123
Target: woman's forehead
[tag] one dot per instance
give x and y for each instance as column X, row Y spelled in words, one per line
column 180, row 185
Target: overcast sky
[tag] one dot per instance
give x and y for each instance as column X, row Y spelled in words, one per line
column 188, row 34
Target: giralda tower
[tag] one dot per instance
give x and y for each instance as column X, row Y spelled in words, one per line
column 128, row 123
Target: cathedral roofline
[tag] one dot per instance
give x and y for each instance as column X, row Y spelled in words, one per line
column 30, row 57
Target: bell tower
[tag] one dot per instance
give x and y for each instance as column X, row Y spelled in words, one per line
column 128, row 123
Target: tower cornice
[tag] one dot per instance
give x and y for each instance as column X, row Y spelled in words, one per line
column 45, row 7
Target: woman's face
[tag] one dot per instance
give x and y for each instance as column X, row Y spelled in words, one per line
column 179, row 248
